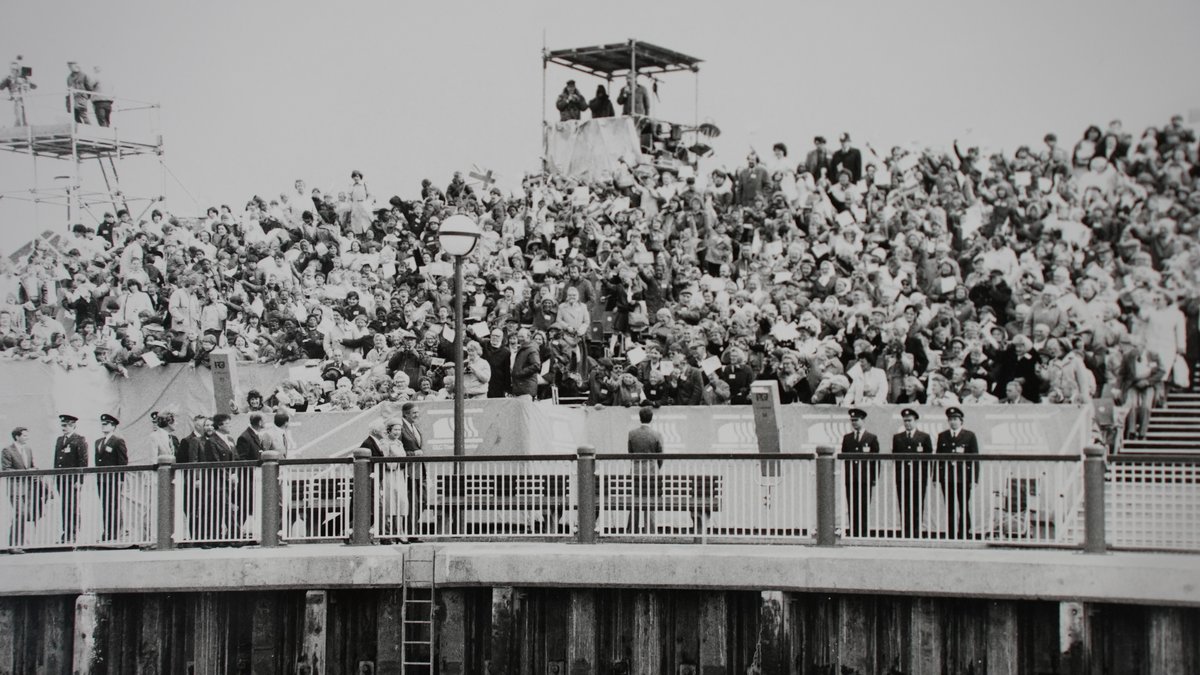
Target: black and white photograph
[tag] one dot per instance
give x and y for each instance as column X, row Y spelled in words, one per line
column 632, row 338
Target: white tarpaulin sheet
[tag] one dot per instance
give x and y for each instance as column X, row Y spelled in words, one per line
column 590, row 148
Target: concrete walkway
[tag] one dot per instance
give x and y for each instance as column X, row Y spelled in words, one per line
column 1141, row 578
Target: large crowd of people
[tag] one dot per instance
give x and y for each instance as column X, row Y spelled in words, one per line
column 1057, row 273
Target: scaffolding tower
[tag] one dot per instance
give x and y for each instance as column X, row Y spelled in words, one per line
column 53, row 133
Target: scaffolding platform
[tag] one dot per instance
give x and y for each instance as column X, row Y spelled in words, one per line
column 85, row 141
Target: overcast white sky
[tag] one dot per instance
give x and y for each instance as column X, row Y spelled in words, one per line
column 256, row 94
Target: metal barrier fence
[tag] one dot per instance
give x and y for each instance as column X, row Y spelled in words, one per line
column 316, row 498
column 706, row 497
column 1022, row 500
column 218, row 503
column 1143, row 502
column 104, row 507
column 474, row 497
column 1153, row 503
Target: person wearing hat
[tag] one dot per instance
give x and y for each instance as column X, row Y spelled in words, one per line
column 571, row 103
column 394, row 488
column 70, row 452
column 957, row 478
column 911, row 477
column 859, row 475
column 110, row 450
column 848, row 158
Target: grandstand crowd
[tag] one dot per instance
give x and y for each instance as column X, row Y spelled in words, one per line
column 1060, row 273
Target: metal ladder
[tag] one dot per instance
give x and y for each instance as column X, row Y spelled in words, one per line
column 417, row 613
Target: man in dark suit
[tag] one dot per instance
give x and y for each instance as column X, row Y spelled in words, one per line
column 249, row 445
column 911, row 477
column 110, row 451
column 645, row 441
column 498, row 357
column 191, row 448
column 191, row 451
column 957, row 477
column 374, row 436
column 219, row 517
column 526, row 366
column 687, row 381
column 859, row 475
column 70, row 452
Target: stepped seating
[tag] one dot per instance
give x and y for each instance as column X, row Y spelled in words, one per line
column 1174, row 427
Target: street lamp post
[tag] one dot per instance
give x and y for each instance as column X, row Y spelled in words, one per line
column 458, row 235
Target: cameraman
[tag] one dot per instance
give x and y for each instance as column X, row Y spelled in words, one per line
column 17, row 83
column 571, row 103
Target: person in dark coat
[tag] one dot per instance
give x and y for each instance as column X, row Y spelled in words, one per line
column 70, row 452
column 859, row 476
column 571, row 103
column 847, row 158
column 374, row 435
column 110, row 451
column 687, row 381
column 957, row 479
column 644, row 441
column 738, row 376
column 912, row 477
column 218, row 519
column 526, row 366
column 602, row 105
column 249, row 444
column 499, row 358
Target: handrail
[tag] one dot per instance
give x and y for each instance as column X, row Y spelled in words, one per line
column 707, row 455
column 124, row 468
column 945, row 456
column 428, row 459
column 1149, row 459
column 800, row 498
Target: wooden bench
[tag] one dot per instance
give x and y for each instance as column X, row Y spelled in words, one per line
column 545, row 494
column 644, row 491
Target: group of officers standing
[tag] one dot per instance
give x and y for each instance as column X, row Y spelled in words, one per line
column 71, row 451
column 912, row 478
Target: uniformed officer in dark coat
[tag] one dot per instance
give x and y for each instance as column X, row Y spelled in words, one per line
column 110, row 450
column 911, row 477
column 70, row 452
column 859, row 476
column 957, row 477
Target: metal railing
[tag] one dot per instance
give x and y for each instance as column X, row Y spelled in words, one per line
column 706, row 497
column 316, row 499
column 474, row 497
column 94, row 507
column 218, row 503
column 1153, row 503
column 1142, row 502
column 1012, row 499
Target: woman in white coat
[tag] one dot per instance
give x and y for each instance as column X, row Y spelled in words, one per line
column 393, row 492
